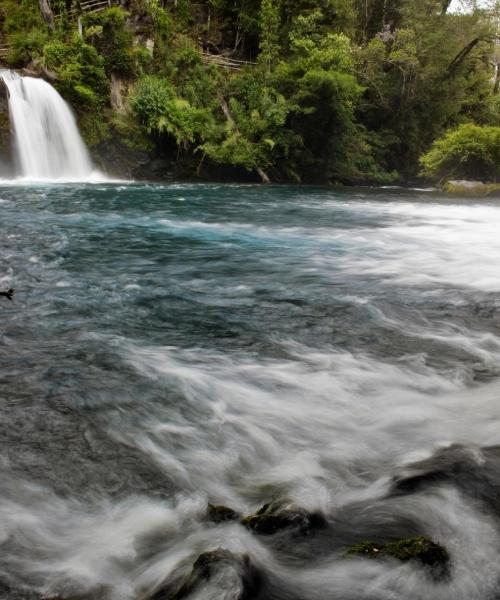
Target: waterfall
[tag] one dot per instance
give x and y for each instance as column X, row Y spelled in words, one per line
column 48, row 144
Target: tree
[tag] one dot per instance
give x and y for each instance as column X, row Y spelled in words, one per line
column 47, row 14
column 269, row 22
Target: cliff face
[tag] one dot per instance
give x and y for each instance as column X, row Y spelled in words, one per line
column 6, row 159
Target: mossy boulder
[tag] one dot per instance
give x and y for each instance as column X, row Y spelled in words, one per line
column 230, row 570
column 221, row 514
column 419, row 548
column 473, row 189
column 279, row 515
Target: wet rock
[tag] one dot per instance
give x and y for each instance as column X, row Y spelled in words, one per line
column 120, row 90
column 279, row 515
column 221, row 514
column 231, row 572
column 473, row 189
column 418, row 548
column 37, row 69
column 5, row 132
column 474, row 471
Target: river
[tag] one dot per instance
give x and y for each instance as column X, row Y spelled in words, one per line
column 173, row 345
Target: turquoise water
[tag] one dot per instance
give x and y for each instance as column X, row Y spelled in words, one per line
column 173, row 345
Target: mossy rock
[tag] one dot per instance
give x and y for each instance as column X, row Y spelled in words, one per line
column 471, row 189
column 419, row 548
column 221, row 514
column 279, row 515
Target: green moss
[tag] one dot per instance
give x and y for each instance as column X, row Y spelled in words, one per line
column 130, row 132
column 418, row 548
column 94, row 127
column 367, row 548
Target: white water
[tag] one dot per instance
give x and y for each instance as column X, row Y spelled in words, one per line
column 324, row 423
column 48, row 144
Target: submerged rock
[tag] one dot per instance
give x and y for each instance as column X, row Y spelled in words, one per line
column 276, row 516
column 221, row 514
column 233, row 573
column 474, row 471
column 419, row 548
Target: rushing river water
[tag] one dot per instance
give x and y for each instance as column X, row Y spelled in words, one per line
column 173, row 345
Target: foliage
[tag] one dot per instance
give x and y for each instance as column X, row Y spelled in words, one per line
column 80, row 72
column 24, row 29
column 470, row 151
column 112, row 39
column 269, row 22
column 337, row 90
column 158, row 107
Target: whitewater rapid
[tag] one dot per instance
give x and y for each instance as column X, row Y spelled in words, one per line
column 174, row 345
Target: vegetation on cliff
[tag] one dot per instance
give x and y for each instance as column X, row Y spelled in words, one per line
column 330, row 91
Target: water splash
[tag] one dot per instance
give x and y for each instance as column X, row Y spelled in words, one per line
column 48, row 144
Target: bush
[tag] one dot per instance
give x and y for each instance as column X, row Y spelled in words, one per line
column 158, row 107
column 111, row 37
column 470, row 152
column 26, row 47
column 80, row 71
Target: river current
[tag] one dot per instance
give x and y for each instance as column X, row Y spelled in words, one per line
column 170, row 346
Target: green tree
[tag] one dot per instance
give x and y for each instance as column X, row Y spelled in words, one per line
column 269, row 23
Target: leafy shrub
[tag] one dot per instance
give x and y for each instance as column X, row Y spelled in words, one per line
column 470, row 151
column 20, row 16
column 80, row 71
column 161, row 110
column 112, row 38
column 26, row 47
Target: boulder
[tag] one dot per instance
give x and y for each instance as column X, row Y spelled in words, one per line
column 474, row 189
column 474, row 471
column 279, row 515
column 232, row 572
column 419, row 548
column 221, row 514
column 5, row 132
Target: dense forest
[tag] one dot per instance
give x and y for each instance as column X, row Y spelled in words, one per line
column 351, row 91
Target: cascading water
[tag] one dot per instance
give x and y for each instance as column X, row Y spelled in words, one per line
column 47, row 141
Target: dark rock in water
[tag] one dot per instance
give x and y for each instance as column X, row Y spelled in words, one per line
column 8, row 593
column 232, row 571
column 279, row 515
column 475, row 471
column 473, row 189
column 419, row 548
column 5, row 132
column 221, row 514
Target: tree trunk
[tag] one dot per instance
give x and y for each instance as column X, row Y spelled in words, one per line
column 263, row 175
column 47, row 14
column 229, row 118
